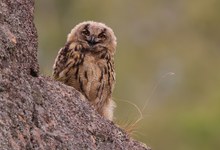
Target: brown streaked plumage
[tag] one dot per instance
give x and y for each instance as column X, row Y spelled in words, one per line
column 86, row 62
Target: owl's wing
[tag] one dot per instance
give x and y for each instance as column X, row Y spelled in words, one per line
column 67, row 57
column 60, row 62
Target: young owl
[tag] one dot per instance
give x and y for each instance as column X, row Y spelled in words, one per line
column 86, row 62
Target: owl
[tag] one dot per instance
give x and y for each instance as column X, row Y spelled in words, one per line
column 86, row 62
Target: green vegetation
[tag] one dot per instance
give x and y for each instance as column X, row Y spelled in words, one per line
column 154, row 37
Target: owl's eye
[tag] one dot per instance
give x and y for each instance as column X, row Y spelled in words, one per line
column 102, row 35
column 86, row 32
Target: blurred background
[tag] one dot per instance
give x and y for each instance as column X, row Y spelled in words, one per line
column 155, row 38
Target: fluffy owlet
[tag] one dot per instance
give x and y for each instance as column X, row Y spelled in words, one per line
column 86, row 62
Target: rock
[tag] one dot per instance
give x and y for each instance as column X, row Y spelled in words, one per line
column 37, row 112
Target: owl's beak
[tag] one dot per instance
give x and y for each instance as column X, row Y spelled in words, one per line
column 92, row 41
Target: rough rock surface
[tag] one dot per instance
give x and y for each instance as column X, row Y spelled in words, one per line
column 37, row 112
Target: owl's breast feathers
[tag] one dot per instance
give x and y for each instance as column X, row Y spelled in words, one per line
column 90, row 72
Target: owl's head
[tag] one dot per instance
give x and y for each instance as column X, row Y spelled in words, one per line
column 95, row 35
